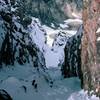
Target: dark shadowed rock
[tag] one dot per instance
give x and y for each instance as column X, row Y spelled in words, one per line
column 27, row 21
column 6, row 16
column 72, row 61
column 4, row 95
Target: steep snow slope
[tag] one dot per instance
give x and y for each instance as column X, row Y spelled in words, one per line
column 56, row 40
column 37, row 33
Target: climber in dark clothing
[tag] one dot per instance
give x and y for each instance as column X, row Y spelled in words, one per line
column 34, row 84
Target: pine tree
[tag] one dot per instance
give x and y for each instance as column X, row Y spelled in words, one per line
column 90, row 67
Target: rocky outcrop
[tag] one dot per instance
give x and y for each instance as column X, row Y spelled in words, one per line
column 4, row 95
column 16, row 43
column 72, row 61
column 60, row 40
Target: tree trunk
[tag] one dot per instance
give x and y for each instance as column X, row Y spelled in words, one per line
column 90, row 68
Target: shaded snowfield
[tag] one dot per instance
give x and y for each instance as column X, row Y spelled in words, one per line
column 18, row 76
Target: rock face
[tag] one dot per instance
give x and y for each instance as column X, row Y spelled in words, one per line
column 16, row 44
column 59, row 40
column 72, row 62
column 4, row 95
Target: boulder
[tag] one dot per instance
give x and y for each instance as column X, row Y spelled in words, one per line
column 4, row 95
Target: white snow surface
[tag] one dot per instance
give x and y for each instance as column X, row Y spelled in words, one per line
column 68, row 21
column 53, row 58
column 37, row 33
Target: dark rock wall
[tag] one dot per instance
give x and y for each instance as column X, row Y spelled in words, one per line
column 72, row 61
column 4, row 95
column 16, row 44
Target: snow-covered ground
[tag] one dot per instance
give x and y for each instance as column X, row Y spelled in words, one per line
column 53, row 58
column 14, row 79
